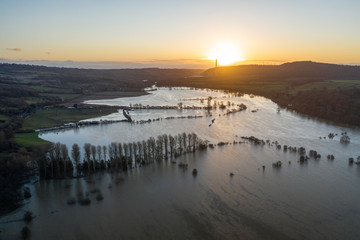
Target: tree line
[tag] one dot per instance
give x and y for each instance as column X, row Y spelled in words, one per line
column 58, row 163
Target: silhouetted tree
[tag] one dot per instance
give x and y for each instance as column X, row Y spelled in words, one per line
column 93, row 154
column 87, row 151
column 64, row 156
column 75, row 154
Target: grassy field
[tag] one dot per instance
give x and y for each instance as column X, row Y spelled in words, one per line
column 53, row 117
column 29, row 139
column 41, row 88
column 346, row 83
column 3, row 117
column 33, row 100
column 65, row 96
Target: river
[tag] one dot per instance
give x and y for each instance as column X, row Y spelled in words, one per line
column 318, row 199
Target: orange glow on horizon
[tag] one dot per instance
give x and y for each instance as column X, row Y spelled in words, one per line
column 226, row 54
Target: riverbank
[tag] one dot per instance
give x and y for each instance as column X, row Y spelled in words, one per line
column 103, row 95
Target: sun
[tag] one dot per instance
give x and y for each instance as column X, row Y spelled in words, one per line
column 226, row 54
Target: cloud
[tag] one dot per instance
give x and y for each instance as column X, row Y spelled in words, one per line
column 14, row 49
column 48, row 53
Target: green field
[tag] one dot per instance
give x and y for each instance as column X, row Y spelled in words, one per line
column 59, row 116
column 29, row 139
column 33, row 100
column 65, row 96
column 42, row 88
column 3, row 117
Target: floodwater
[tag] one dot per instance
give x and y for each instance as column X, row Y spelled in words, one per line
column 315, row 200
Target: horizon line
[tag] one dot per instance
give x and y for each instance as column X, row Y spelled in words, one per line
column 154, row 63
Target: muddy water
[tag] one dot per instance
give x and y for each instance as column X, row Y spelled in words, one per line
column 316, row 200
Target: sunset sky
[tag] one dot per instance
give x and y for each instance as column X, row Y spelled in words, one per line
column 175, row 32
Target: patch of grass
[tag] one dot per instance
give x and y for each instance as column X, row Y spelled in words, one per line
column 330, row 85
column 29, row 139
column 33, row 100
column 54, row 117
column 345, row 83
column 65, row 96
column 3, row 117
column 42, row 88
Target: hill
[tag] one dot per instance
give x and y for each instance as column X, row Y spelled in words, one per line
column 294, row 70
column 327, row 91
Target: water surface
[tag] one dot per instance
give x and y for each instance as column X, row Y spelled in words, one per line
column 316, row 200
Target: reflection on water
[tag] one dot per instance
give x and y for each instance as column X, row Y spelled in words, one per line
column 316, row 200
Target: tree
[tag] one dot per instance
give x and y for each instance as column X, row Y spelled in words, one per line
column 93, row 154
column 52, row 159
column 64, row 156
column 57, row 155
column 126, row 151
column 184, row 140
column 145, row 154
column 189, row 141
column 98, row 150
column 120, row 149
column 195, row 140
column 111, row 155
column 172, row 144
column 139, row 146
column 75, row 154
column 115, row 154
column 166, row 141
column 87, row 151
column 104, row 152
column 135, row 150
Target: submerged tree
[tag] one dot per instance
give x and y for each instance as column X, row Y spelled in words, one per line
column 93, row 154
column 87, row 151
column 104, row 152
column 166, row 142
column 75, row 154
column 57, row 155
column 64, row 157
column 172, row 145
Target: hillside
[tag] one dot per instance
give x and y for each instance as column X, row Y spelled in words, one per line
column 286, row 71
column 327, row 91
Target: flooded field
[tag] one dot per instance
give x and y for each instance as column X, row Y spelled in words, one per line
column 317, row 199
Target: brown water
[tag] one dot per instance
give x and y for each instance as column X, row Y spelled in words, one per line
column 316, row 200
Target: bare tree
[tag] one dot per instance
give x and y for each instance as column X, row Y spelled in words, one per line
column 93, row 154
column 135, row 150
column 195, row 141
column 104, row 152
column 120, row 154
column 126, row 151
column 52, row 159
column 139, row 146
column 57, row 154
column 145, row 154
column 87, row 150
column 111, row 155
column 189, row 141
column 172, row 143
column 184, row 140
column 98, row 150
column 75, row 154
column 115, row 153
column 130, row 152
column 64, row 156
column 166, row 141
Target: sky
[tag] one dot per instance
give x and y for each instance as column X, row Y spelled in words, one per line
column 178, row 33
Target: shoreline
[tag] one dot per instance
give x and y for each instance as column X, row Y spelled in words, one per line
column 103, row 95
